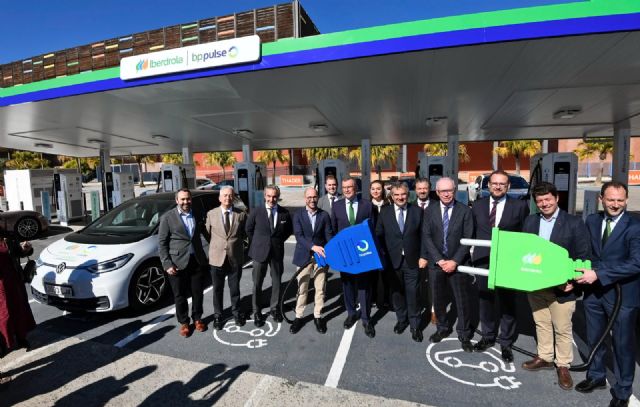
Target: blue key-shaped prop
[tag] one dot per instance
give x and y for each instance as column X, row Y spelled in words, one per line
column 353, row 251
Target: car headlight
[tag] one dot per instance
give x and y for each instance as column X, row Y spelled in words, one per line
column 110, row 265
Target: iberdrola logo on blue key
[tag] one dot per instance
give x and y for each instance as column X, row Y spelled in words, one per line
column 353, row 250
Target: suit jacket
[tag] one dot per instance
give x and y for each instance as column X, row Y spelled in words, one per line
column 617, row 262
column 174, row 243
column 394, row 242
column 569, row 232
column 306, row 237
column 325, row 205
column 339, row 219
column 375, row 214
column 223, row 245
column 460, row 226
column 513, row 216
column 263, row 242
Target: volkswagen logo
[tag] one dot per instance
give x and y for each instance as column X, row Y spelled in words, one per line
column 61, row 267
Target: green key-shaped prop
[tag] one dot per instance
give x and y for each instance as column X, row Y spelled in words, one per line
column 526, row 262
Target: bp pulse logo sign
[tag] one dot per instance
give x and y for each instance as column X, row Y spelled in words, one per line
column 531, row 263
column 209, row 55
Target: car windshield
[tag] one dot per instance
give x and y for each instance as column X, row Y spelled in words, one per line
column 131, row 218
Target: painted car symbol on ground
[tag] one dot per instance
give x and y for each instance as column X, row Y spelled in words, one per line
column 248, row 336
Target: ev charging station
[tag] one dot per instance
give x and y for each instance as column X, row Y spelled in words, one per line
column 433, row 168
column 119, row 187
column 560, row 169
column 67, row 192
column 327, row 167
column 249, row 182
column 174, row 177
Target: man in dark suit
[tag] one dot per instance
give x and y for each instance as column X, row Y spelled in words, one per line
column 423, row 187
column 498, row 210
column 332, row 195
column 226, row 227
column 312, row 228
column 399, row 229
column 356, row 287
column 553, row 307
column 268, row 227
column 615, row 259
column 443, row 226
column 184, row 260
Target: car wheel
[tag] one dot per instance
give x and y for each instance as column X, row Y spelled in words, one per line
column 148, row 285
column 27, row 228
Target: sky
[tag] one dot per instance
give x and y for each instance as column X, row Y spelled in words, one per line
column 34, row 27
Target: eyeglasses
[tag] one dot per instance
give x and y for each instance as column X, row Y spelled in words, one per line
column 445, row 191
column 310, row 198
column 499, row 184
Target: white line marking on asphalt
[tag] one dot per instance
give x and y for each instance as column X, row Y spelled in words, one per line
column 152, row 324
column 259, row 391
column 32, row 301
column 633, row 401
column 341, row 358
column 31, row 353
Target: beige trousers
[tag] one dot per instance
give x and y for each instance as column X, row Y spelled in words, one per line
column 553, row 323
column 303, row 288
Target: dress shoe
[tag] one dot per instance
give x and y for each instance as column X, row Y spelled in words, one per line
column 258, row 320
column 369, row 330
column 400, row 327
column 537, row 364
column 564, row 378
column 350, row 321
column 321, row 326
column 239, row 319
column 467, row 346
column 200, row 326
column 588, row 385
column 296, row 326
column 434, row 319
column 438, row 336
column 217, row 322
column 185, row 331
column 616, row 402
column 276, row 315
column 24, row 344
column 416, row 335
column 507, row 353
column 483, row 344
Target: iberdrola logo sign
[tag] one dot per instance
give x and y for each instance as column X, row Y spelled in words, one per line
column 532, row 259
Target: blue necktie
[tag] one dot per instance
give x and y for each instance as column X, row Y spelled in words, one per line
column 445, row 229
column 401, row 220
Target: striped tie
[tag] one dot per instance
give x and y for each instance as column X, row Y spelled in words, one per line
column 445, row 228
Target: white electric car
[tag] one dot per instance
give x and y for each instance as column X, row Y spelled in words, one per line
column 113, row 262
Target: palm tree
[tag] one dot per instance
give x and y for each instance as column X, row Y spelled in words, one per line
column 139, row 159
column 518, row 149
column 87, row 165
column 221, row 158
column 587, row 149
column 324, row 153
column 379, row 155
column 271, row 156
column 26, row 160
column 442, row 149
column 172, row 158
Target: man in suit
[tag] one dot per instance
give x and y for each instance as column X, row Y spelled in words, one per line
column 312, row 228
column 226, row 227
column 399, row 229
column 423, row 187
column 615, row 259
column 498, row 210
column 184, row 260
column 553, row 307
column 331, row 196
column 268, row 227
column 443, row 225
column 356, row 287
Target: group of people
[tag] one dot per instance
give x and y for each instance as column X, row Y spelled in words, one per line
column 417, row 239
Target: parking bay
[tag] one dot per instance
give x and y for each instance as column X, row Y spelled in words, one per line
column 389, row 365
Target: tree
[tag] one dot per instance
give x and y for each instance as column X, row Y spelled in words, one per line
column 172, row 158
column 221, row 158
column 518, row 149
column 22, row 160
column 139, row 159
column 379, row 155
column 442, row 149
column 87, row 165
column 271, row 156
column 324, row 153
column 587, row 149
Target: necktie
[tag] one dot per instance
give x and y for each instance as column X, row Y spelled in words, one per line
column 333, row 198
column 401, row 220
column 422, row 204
column 492, row 214
column 226, row 222
column 607, row 232
column 272, row 218
column 445, row 229
column 352, row 214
